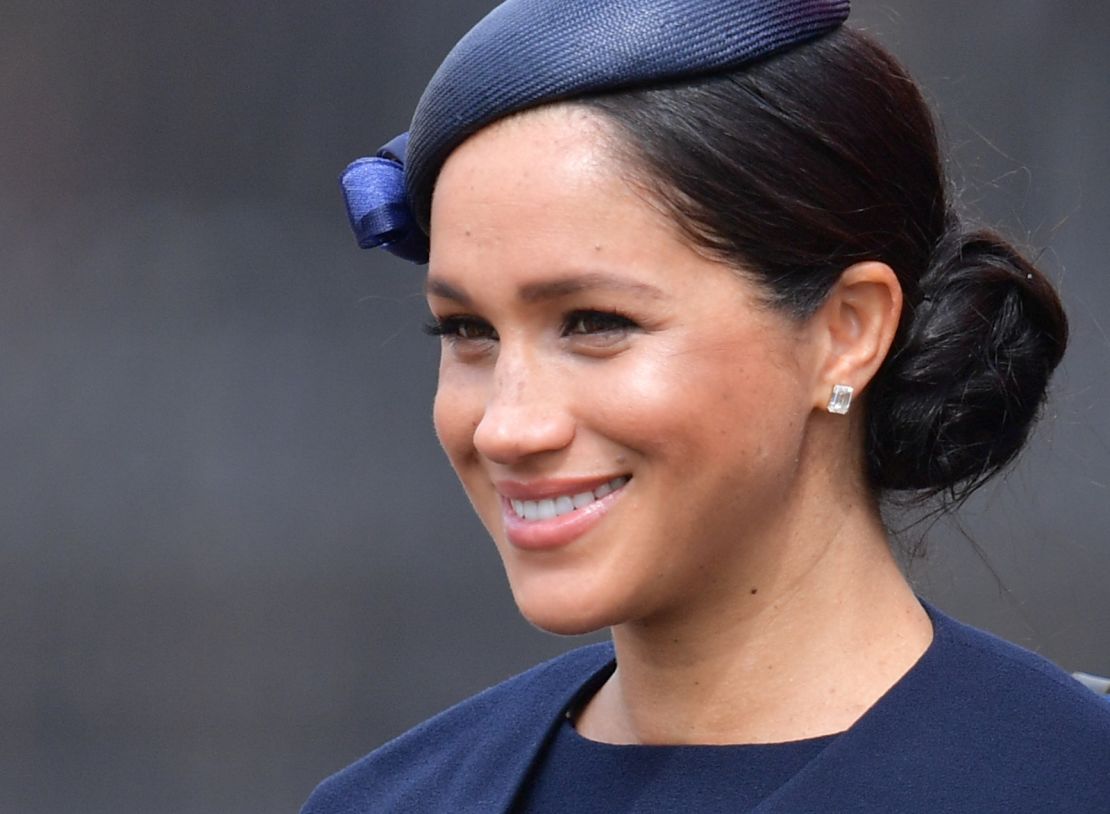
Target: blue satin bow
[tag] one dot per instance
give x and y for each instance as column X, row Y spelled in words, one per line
column 374, row 189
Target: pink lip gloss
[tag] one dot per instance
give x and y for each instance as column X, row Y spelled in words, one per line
column 554, row 532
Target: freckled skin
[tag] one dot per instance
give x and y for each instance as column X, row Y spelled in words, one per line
column 704, row 404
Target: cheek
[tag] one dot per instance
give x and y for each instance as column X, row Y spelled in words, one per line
column 456, row 412
column 703, row 403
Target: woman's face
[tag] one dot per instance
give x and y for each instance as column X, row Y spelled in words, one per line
column 624, row 414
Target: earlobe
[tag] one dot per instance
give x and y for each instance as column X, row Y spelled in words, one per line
column 857, row 323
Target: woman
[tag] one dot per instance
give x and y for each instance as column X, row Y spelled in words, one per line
column 704, row 303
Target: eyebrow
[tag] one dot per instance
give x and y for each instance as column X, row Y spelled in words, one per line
column 552, row 289
column 441, row 288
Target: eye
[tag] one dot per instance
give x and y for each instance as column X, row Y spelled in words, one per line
column 461, row 328
column 585, row 323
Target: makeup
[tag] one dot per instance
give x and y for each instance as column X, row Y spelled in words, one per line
column 552, row 514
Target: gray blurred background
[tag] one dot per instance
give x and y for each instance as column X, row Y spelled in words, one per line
column 232, row 558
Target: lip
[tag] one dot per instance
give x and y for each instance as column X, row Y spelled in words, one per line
column 556, row 532
column 550, row 487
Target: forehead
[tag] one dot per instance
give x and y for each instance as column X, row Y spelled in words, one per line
column 538, row 209
column 551, row 151
column 538, row 188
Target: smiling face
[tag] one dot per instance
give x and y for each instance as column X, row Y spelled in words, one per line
column 626, row 416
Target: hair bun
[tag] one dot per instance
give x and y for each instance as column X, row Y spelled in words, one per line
column 956, row 399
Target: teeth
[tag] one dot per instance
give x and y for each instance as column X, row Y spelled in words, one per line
column 582, row 500
column 549, row 508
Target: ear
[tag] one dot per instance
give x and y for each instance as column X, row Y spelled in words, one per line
column 855, row 327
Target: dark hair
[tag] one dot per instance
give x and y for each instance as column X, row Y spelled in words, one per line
column 805, row 163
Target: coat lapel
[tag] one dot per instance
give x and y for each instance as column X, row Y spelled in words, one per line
column 888, row 760
column 491, row 773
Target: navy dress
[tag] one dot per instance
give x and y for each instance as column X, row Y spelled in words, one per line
column 579, row 775
column 976, row 726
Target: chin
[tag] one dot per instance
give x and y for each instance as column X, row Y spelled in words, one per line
column 563, row 615
column 564, row 626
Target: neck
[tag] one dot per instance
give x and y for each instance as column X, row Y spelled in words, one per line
column 825, row 632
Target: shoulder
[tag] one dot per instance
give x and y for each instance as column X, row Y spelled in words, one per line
column 994, row 725
column 476, row 751
column 978, row 724
column 1018, row 685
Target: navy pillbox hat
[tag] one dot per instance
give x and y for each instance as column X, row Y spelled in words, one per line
column 525, row 53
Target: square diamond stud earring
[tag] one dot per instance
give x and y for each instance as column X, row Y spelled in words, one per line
column 841, row 399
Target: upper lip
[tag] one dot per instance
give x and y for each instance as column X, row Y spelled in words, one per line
column 550, row 487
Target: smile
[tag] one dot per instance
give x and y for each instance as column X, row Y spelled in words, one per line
column 546, row 516
column 550, row 508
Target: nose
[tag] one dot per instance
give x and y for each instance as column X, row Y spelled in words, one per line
column 525, row 413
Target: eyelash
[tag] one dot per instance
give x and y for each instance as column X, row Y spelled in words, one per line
column 452, row 327
column 611, row 322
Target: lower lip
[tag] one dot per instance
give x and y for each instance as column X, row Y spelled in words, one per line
column 545, row 535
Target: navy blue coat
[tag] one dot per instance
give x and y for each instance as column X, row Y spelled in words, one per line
column 977, row 725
